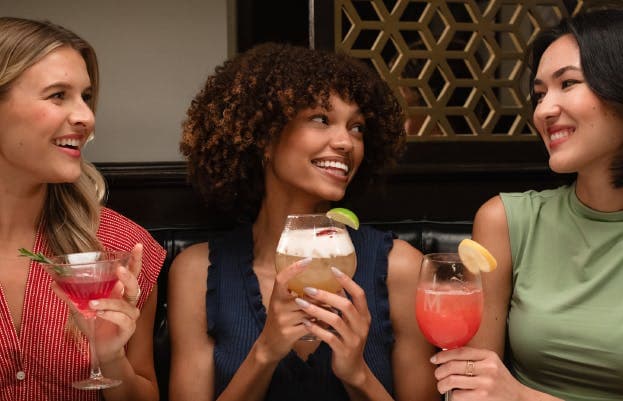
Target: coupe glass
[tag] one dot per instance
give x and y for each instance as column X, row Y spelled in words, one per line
column 449, row 302
column 324, row 240
column 84, row 277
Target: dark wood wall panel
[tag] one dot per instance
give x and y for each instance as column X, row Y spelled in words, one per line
column 158, row 195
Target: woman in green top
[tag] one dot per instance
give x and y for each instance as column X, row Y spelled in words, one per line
column 553, row 307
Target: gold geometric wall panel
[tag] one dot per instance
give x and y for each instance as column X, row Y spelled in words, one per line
column 458, row 67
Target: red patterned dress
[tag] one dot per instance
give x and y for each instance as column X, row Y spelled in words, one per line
column 41, row 363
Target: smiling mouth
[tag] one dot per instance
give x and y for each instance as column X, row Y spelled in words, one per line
column 68, row 143
column 560, row 135
column 333, row 166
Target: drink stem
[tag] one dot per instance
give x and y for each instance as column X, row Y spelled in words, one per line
column 96, row 373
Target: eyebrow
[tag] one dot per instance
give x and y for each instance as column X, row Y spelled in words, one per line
column 558, row 73
column 63, row 85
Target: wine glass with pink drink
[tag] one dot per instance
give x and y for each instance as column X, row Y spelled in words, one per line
column 84, row 277
column 449, row 302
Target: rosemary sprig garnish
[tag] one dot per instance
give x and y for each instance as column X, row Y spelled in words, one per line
column 41, row 258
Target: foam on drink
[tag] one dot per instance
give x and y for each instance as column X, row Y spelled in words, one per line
column 327, row 247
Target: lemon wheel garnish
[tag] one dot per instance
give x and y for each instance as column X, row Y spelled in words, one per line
column 476, row 257
column 344, row 216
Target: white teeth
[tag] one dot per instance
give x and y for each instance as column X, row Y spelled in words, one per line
column 559, row 135
column 67, row 142
column 332, row 164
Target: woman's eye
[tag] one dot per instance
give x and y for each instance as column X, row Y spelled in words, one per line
column 569, row 82
column 57, row 95
column 320, row 119
column 360, row 128
column 86, row 97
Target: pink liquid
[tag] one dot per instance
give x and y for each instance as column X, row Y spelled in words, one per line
column 448, row 319
column 81, row 290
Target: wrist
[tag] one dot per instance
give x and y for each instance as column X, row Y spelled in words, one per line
column 113, row 358
column 261, row 355
column 358, row 378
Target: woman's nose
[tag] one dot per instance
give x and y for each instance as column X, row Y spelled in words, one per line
column 81, row 114
column 547, row 108
column 342, row 140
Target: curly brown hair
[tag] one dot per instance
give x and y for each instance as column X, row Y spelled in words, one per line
column 247, row 102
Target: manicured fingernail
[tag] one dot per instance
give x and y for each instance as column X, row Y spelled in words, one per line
column 307, row 323
column 337, row 272
column 301, row 302
column 310, row 291
column 94, row 303
column 304, row 262
column 433, row 359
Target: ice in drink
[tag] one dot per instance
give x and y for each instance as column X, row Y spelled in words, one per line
column 327, row 247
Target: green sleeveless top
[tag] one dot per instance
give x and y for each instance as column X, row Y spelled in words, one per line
column 565, row 323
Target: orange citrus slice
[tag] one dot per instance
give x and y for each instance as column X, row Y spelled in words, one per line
column 476, row 257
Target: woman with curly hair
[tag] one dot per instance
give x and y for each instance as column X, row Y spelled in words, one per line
column 282, row 130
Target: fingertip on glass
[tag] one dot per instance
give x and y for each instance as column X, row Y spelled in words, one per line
column 310, row 291
column 304, row 262
column 337, row 272
column 301, row 302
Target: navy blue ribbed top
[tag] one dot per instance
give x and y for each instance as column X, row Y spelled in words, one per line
column 236, row 317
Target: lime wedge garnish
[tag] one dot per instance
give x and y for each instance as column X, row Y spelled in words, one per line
column 344, row 216
column 476, row 257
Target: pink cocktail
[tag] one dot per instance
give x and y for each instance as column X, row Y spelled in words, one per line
column 448, row 319
column 448, row 302
column 82, row 289
column 84, row 277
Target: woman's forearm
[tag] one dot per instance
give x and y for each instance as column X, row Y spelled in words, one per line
column 252, row 379
column 133, row 386
column 367, row 388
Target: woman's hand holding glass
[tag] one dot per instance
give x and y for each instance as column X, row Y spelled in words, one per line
column 117, row 314
column 487, row 378
column 327, row 243
column 284, row 319
column 349, row 328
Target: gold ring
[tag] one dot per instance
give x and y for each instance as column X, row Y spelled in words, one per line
column 469, row 368
column 132, row 299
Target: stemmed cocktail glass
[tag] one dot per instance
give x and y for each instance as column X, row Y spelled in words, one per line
column 324, row 240
column 449, row 302
column 84, row 277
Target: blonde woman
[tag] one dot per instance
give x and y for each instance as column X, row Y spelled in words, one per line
column 50, row 202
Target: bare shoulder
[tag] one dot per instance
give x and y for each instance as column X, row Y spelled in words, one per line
column 402, row 273
column 188, row 273
column 403, row 261
column 491, row 230
column 491, row 212
column 192, row 260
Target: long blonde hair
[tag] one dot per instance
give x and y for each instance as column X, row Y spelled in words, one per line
column 71, row 212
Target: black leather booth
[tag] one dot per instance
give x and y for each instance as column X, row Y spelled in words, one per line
column 427, row 236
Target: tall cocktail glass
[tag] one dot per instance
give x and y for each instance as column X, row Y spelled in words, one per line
column 84, row 277
column 449, row 302
column 324, row 240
